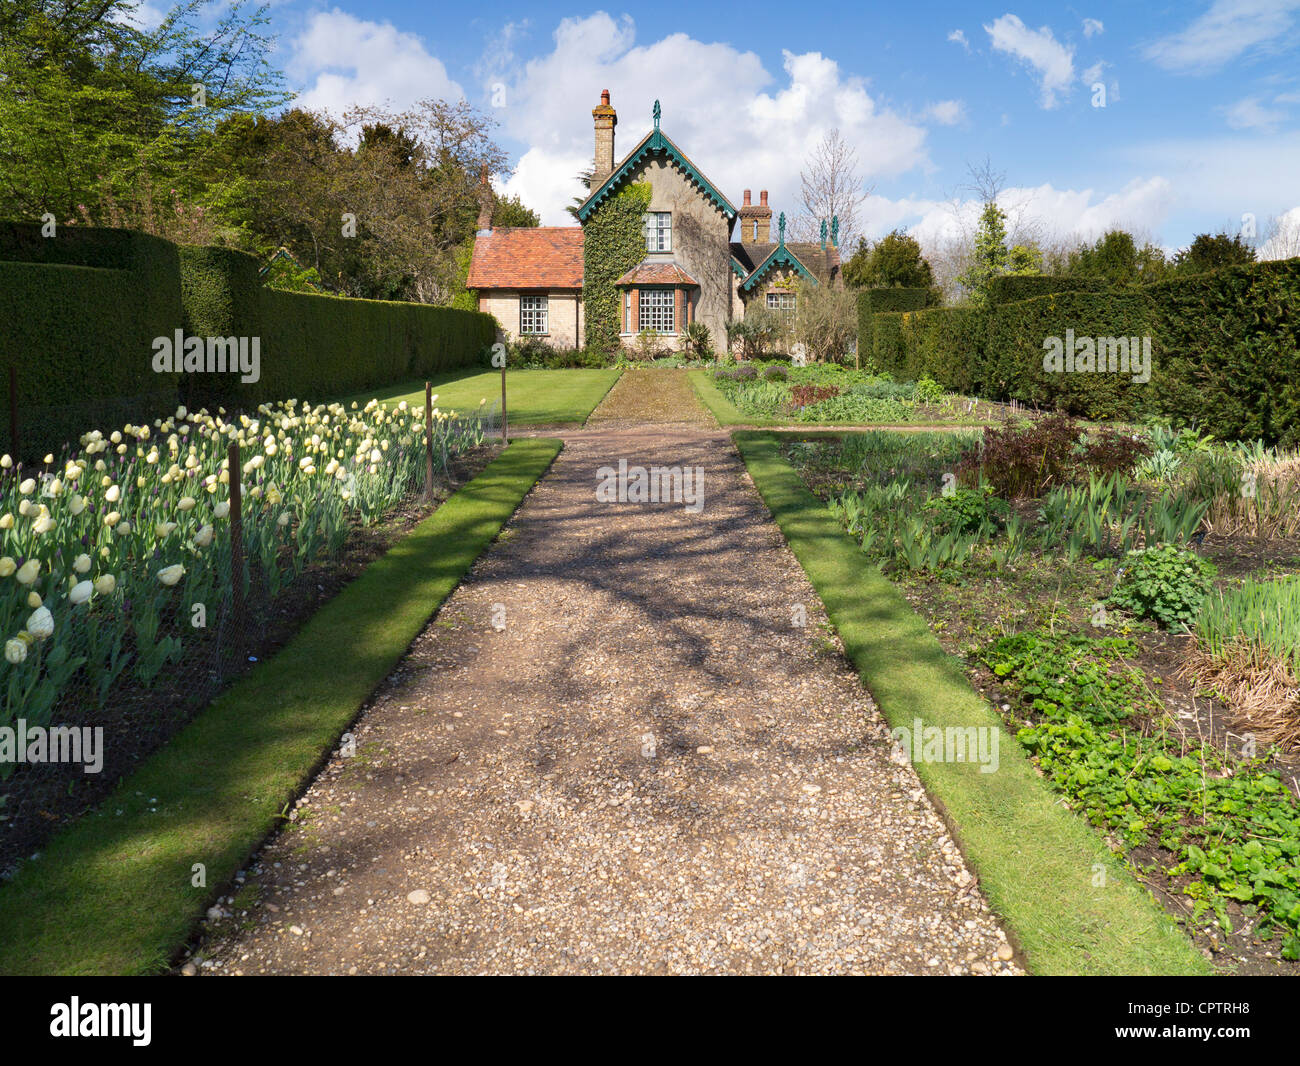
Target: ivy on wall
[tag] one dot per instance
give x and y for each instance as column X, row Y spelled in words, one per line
column 613, row 243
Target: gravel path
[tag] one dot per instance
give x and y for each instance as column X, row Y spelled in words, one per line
column 614, row 751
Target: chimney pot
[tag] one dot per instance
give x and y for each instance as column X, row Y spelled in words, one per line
column 762, row 197
column 604, row 97
column 746, row 203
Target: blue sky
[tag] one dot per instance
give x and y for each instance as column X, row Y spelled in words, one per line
column 1201, row 123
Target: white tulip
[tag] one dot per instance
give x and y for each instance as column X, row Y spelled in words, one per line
column 41, row 623
column 169, row 575
column 81, row 592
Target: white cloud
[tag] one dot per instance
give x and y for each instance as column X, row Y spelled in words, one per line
column 1092, row 27
column 946, row 112
column 1039, row 50
column 1224, row 32
column 1251, row 113
column 144, row 15
column 959, row 37
column 346, row 60
column 743, row 126
column 1094, row 73
column 1142, row 205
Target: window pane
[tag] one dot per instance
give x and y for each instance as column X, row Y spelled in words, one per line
column 658, row 231
column 532, row 314
column 657, row 307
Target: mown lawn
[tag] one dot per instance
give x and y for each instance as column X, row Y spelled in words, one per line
column 533, row 397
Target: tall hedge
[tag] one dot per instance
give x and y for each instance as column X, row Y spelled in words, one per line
column 1228, row 344
column 1010, row 288
column 315, row 346
column 79, row 314
column 883, row 301
column 946, row 344
column 82, row 309
column 1013, row 367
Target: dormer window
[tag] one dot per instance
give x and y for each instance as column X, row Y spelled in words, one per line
column 658, row 231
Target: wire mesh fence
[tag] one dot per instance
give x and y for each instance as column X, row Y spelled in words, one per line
column 143, row 569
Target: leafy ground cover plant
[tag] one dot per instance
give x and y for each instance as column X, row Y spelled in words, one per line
column 966, row 510
column 1230, row 827
column 1164, row 583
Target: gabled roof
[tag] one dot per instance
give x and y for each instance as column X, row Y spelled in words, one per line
column 656, row 142
column 536, row 257
column 805, row 257
column 650, row 272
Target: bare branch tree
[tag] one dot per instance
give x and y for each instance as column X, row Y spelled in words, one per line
column 831, row 186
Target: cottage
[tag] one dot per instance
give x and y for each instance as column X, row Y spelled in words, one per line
column 691, row 271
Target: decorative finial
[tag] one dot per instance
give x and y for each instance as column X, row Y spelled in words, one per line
column 780, row 228
column 656, row 114
column 835, row 231
column 823, row 235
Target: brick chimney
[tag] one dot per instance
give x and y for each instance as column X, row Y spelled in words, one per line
column 486, row 201
column 606, row 118
column 755, row 220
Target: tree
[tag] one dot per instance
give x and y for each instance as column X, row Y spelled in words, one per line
column 94, row 109
column 1210, row 252
column 830, row 187
column 1117, row 257
column 895, row 260
column 991, row 258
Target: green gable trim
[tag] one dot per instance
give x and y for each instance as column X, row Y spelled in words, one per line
column 781, row 256
column 655, row 143
column 740, row 270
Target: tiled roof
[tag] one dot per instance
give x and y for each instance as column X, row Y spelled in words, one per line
column 539, row 257
column 649, row 272
column 824, row 266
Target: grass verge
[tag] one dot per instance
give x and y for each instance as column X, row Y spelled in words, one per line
column 726, row 412
column 533, row 397
column 1038, row 864
column 114, row 893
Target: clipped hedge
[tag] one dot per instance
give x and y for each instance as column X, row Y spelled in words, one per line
column 872, row 302
column 1013, row 367
column 79, row 315
column 946, row 344
column 83, row 309
column 1225, row 347
column 1228, row 348
column 1011, row 288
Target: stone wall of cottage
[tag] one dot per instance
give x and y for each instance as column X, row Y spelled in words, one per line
column 700, row 243
column 565, row 320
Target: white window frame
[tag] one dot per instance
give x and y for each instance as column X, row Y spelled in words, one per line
column 662, row 317
column 658, row 228
column 782, row 303
column 534, row 311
